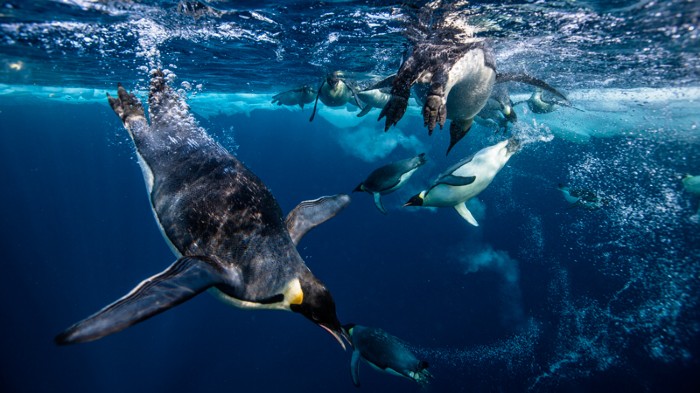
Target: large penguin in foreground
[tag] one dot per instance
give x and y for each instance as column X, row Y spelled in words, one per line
column 458, row 71
column 221, row 221
column 467, row 179
column 386, row 353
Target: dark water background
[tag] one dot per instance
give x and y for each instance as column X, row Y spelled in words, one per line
column 540, row 297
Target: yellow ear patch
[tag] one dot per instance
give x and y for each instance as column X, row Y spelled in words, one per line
column 294, row 294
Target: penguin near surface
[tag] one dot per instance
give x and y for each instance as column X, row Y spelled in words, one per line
column 541, row 102
column 335, row 91
column 375, row 96
column 390, row 178
column 221, row 221
column 299, row 96
column 384, row 352
column 458, row 71
column 692, row 185
column 466, row 179
column 581, row 198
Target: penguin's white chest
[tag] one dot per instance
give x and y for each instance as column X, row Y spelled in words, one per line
column 337, row 96
column 484, row 167
column 469, row 86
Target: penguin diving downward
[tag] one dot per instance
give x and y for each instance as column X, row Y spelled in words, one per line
column 220, row 220
column 581, row 198
column 467, row 179
column 299, row 96
column 458, row 70
column 384, row 352
column 335, row 91
column 539, row 102
column 390, row 178
column 498, row 111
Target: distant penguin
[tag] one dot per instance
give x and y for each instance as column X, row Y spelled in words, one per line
column 299, row 96
column 541, row 103
column 580, row 198
column 220, row 220
column 389, row 178
column 467, row 179
column 498, row 111
column 692, row 185
column 336, row 91
column 375, row 96
column 384, row 352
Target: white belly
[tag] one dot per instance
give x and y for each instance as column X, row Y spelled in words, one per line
column 484, row 167
column 469, row 86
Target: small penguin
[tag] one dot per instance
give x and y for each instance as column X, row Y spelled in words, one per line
column 581, row 198
column 498, row 111
column 389, row 178
column 336, row 91
column 692, row 185
column 467, row 179
column 375, row 96
column 459, row 72
column 385, row 353
column 221, row 221
column 299, row 96
column 541, row 103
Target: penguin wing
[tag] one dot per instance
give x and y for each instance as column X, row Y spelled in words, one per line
column 183, row 280
column 355, row 367
column 530, row 80
column 386, row 83
column 318, row 93
column 309, row 214
column 452, row 180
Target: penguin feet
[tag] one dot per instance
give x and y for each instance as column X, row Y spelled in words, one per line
column 393, row 110
column 434, row 112
column 126, row 105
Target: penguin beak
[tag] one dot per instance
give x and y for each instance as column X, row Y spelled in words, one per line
column 416, row 200
column 358, row 188
column 339, row 335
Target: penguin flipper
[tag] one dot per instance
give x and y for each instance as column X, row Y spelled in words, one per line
column 365, row 110
column 378, row 202
column 309, row 214
column 530, row 80
column 355, row 368
column 466, row 214
column 313, row 113
column 183, row 280
column 452, row 180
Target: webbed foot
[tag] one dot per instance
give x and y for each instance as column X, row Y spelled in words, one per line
column 393, row 110
column 434, row 112
column 126, row 105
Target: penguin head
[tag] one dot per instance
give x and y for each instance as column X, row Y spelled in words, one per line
column 318, row 306
column 334, row 78
column 416, row 200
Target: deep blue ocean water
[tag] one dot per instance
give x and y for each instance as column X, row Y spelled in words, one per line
column 541, row 296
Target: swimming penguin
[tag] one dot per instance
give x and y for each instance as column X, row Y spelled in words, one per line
column 220, row 220
column 498, row 111
column 541, row 103
column 580, row 198
column 389, row 178
column 692, row 185
column 299, row 96
column 375, row 96
column 459, row 72
column 467, row 179
column 336, row 91
column 385, row 353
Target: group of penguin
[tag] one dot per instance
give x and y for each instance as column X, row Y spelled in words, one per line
column 227, row 230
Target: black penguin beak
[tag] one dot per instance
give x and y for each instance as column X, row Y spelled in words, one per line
column 358, row 188
column 416, row 200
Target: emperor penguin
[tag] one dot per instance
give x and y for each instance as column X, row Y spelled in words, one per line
column 221, row 221
column 581, row 198
column 375, row 96
column 498, row 111
column 390, row 178
column 467, row 179
column 692, row 185
column 299, row 96
column 384, row 352
column 540, row 103
column 336, row 91
column 458, row 71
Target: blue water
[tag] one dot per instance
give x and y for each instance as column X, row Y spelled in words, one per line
column 541, row 296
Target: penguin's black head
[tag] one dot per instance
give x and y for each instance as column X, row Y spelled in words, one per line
column 319, row 307
column 416, row 200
